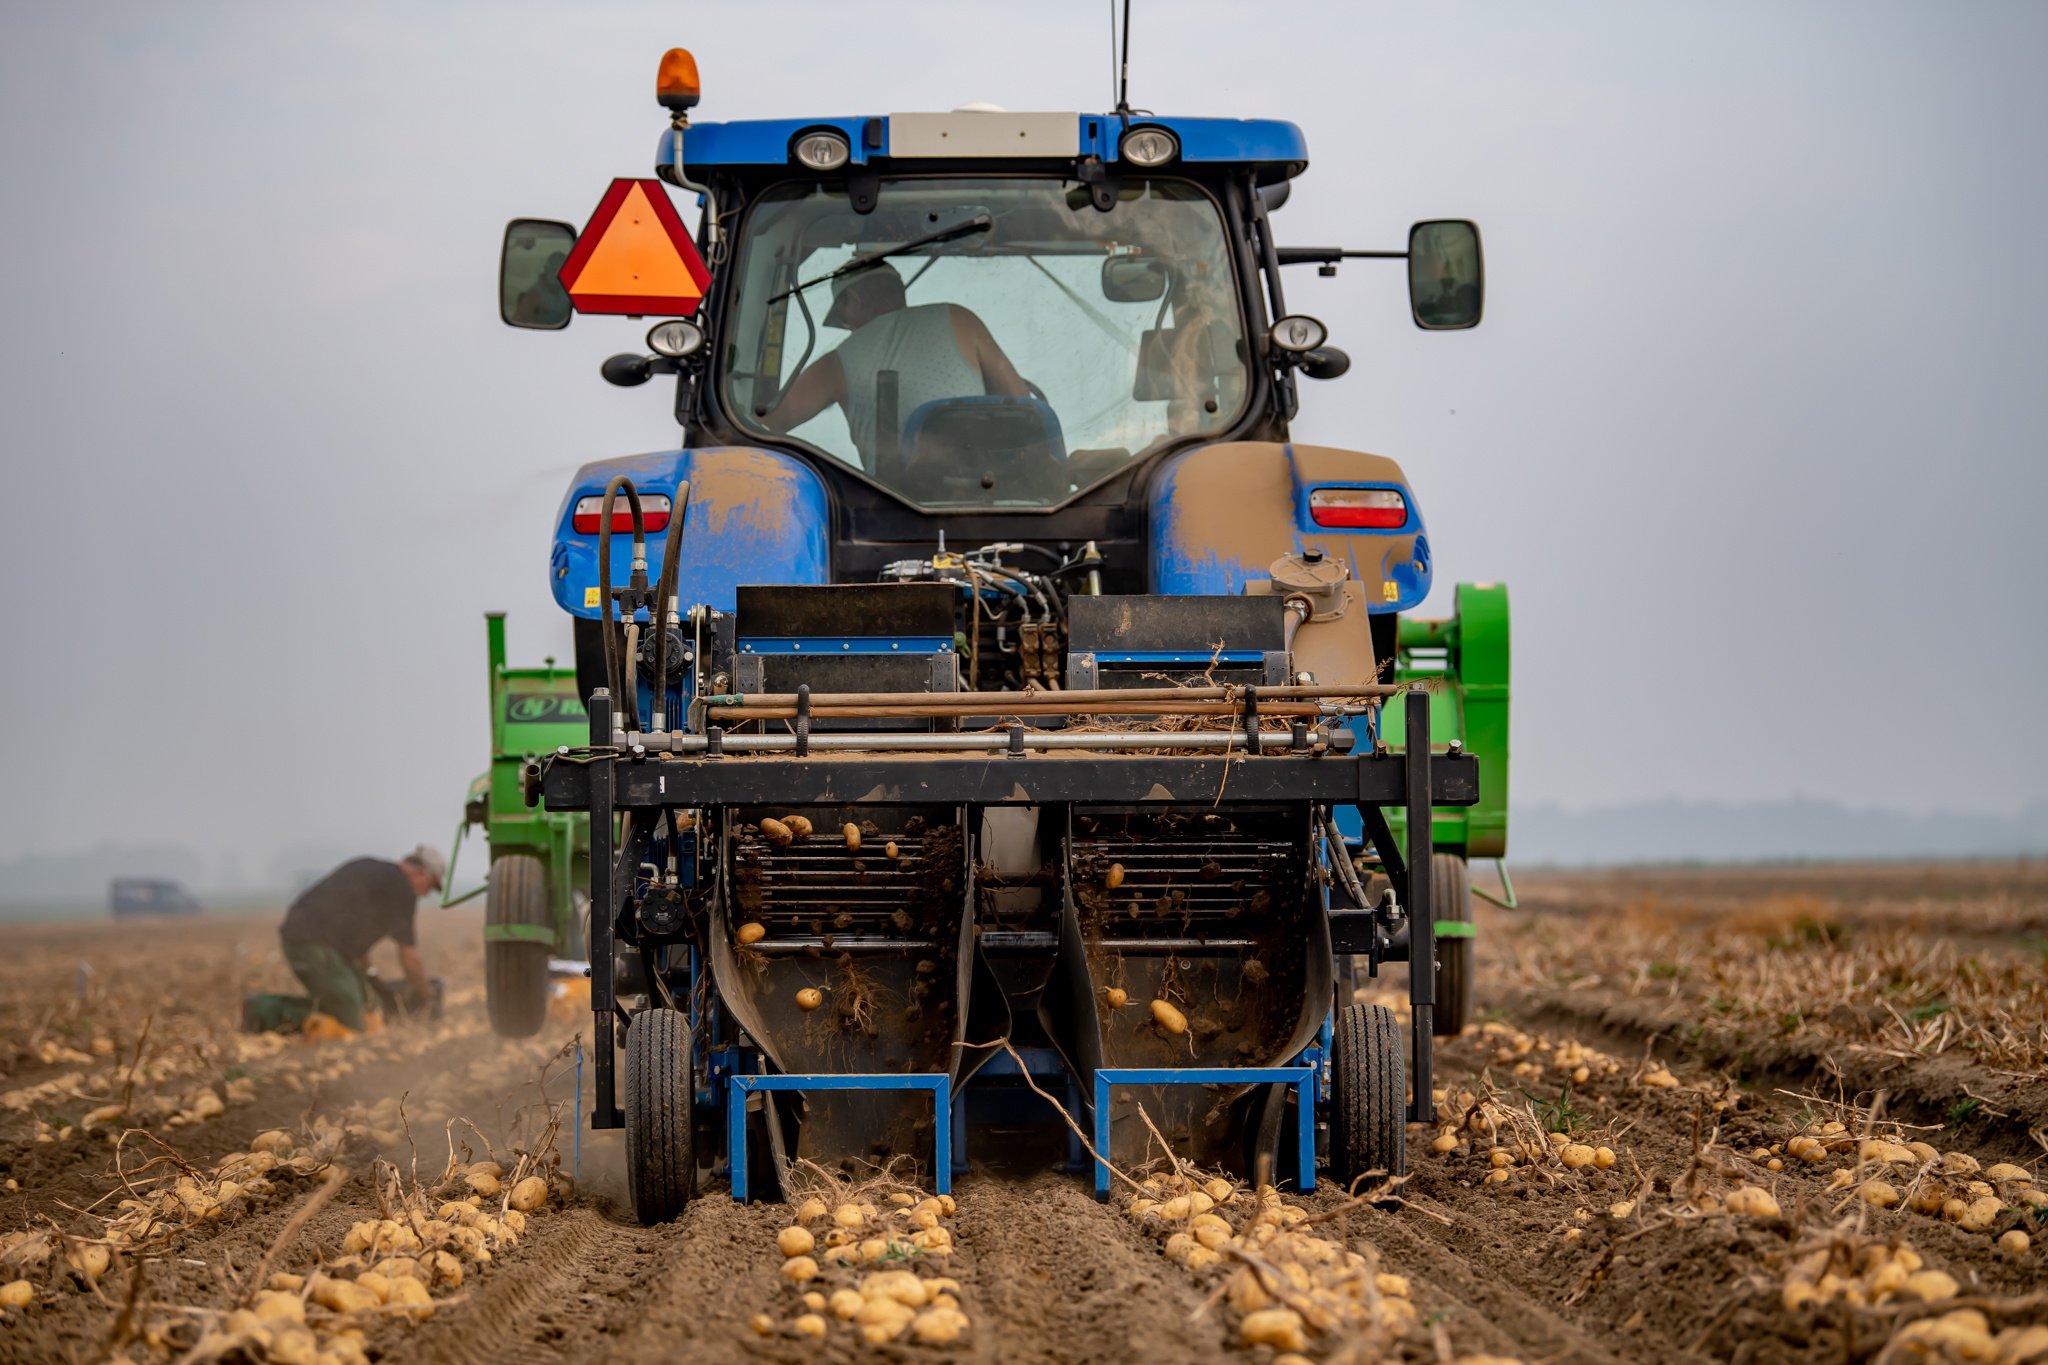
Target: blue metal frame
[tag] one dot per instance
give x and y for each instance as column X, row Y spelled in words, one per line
column 846, row 644
column 940, row 1084
column 1177, row 656
column 1303, row 1077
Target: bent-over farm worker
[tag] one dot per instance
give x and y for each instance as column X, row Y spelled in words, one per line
column 331, row 927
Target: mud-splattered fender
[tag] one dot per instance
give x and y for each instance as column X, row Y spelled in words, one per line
column 1220, row 515
column 755, row 516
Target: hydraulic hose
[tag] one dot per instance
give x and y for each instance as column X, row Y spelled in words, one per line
column 612, row 676
column 664, row 594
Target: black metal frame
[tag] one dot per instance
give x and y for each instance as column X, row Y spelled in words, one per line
column 606, row 780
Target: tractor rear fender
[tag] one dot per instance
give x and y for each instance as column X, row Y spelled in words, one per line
column 755, row 516
column 1220, row 515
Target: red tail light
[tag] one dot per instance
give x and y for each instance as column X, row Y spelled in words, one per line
column 590, row 511
column 1380, row 509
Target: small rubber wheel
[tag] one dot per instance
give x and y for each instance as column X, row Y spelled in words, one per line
column 661, row 1160
column 1368, row 1095
column 1450, row 901
column 516, row 970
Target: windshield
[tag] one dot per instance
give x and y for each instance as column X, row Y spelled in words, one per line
column 986, row 343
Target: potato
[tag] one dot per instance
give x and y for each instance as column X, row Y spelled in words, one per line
column 775, row 832
column 1444, row 1143
column 810, row 1210
column 890, row 851
column 2005, row 1170
column 844, row 1303
column 809, row 1325
column 1879, row 1193
column 275, row 1305
column 1169, row 1018
column 795, row 1241
column 852, row 833
column 1279, row 1328
column 938, row 1326
column 342, row 1296
column 294, row 1346
column 1116, row 997
column 849, row 1216
column 2014, row 1243
column 751, row 932
column 799, row 1269
column 901, row 1285
column 809, row 998
column 17, row 1294
column 799, row 825
column 484, row 1183
column 1931, row 1286
column 90, row 1262
column 1114, row 878
column 412, row 1296
column 528, row 1195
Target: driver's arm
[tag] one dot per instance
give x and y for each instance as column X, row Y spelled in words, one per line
column 822, row 384
column 998, row 375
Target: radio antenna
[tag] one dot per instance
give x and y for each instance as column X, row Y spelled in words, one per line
column 1123, row 75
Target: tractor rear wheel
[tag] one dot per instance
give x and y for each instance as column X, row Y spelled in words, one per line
column 661, row 1160
column 1450, row 897
column 516, row 970
column 1368, row 1095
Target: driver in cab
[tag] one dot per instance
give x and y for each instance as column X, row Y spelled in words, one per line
column 937, row 351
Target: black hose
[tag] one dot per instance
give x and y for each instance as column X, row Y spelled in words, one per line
column 664, row 589
column 612, row 677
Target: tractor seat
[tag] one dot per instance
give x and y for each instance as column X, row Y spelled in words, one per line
column 988, row 449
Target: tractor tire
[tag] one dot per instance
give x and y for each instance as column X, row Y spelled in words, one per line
column 661, row 1159
column 516, row 970
column 1368, row 1095
column 1450, row 901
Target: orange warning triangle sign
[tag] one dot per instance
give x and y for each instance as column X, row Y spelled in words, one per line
column 635, row 256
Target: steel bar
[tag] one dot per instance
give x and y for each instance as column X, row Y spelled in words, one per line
column 918, row 709
column 1421, row 913
column 604, row 1109
column 565, row 782
column 676, row 742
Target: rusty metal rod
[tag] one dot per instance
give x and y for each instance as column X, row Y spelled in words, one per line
column 1082, row 700
column 917, row 710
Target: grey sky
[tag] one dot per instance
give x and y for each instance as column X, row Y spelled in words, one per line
column 1753, row 427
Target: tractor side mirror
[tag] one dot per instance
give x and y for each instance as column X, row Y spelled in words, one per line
column 1446, row 274
column 529, row 293
column 1133, row 279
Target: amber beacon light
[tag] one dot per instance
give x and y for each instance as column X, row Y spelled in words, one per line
column 675, row 84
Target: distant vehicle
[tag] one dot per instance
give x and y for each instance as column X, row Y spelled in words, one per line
column 128, row 896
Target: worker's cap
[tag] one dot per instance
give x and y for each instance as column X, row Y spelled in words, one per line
column 430, row 858
column 875, row 275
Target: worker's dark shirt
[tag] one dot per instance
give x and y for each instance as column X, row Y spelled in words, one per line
column 352, row 907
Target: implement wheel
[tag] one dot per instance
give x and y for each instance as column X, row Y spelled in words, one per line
column 1450, row 896
column 1368, row 1095
column 661, row 1159
column 516, row 970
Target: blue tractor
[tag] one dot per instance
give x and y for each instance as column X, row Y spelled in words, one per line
column 987, row 695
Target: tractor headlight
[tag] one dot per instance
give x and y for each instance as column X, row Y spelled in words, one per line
column 1298, row 332
column 675, row 339
column 1148, row 147
column 822, row 151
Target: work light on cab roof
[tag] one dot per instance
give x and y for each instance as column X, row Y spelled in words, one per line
column 989, row 662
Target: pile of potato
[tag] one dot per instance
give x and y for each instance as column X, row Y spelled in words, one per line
column 1952, row 1186
column 1289, row 1286
column 832, row 1237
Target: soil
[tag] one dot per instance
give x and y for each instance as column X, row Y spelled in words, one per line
column 1536, row 1267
